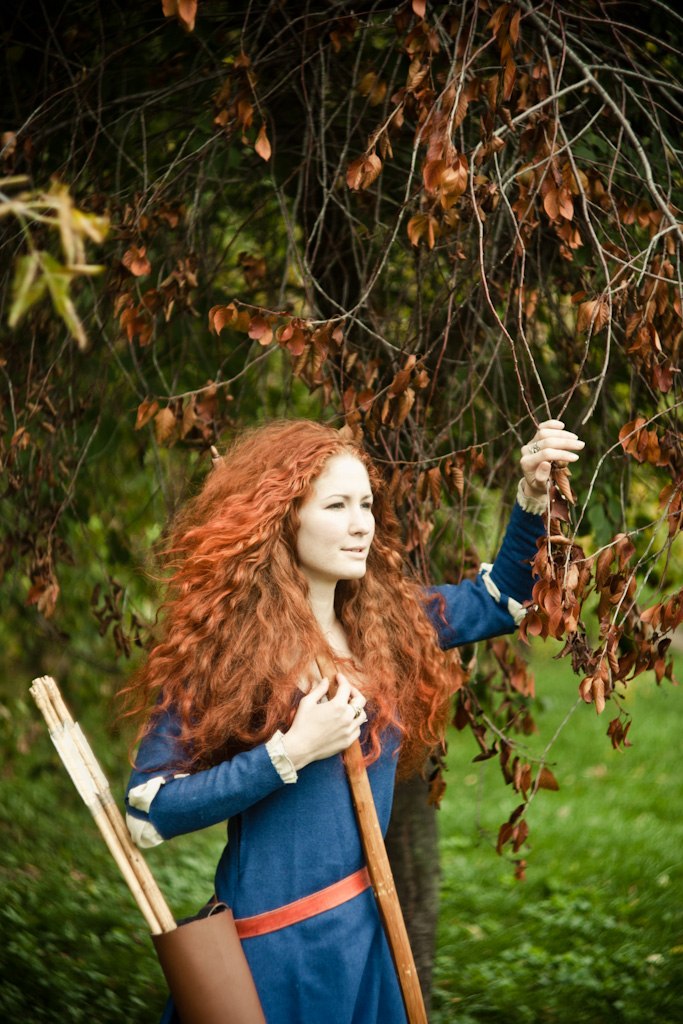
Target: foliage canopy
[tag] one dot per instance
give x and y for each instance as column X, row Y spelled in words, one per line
column 436, row 224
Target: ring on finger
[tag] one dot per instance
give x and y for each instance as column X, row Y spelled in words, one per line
column 356, row 710
column 534, row 448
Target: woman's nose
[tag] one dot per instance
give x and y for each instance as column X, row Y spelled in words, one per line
column 360, row 521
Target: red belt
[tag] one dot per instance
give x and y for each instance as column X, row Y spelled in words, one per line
column 325, row 899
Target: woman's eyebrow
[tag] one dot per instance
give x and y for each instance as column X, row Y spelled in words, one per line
column 335, row 494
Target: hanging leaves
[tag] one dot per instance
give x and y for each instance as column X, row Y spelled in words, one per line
column 184, row 10
column 28, row 286
column 262, row 144
column 221, row 317
column 260, row 330
column 557, row 203
column 135, row 259
column 44, row 590
column 146, row 410
column 165, row 425
column 642, row 444
column 372, row 86
column 618, row 732
column 593, row 315
column 39, row 273
column 423, row 226
column 452, row 278
column 546, row 780
column 363, row 171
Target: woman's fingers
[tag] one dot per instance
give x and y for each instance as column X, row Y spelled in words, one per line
column 343, row 689
column 538, row 452
column 551, row 425
column 320, row 727
column 357, row 697
column 351, row 699
column 550, row 444
column 357, row 701
column 564, row 439
column 317, row 691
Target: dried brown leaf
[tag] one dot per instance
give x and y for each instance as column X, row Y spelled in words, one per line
column 423, row 225
column 593, row 315
column 363, row 171
column 164, row 425
column 146, row 410
column 184, row 10
column 546, row 779
column 403, row 406
column 260, row 330
column 135, row 260
column 509, row 75
column 221, row 316
column 561, row 477
column 262, row 144
column 514, row 27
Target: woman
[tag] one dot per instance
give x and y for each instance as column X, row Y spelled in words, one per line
column 291, row 549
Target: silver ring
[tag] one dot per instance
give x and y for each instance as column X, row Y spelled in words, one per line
column 357, row 710
column 534, row 448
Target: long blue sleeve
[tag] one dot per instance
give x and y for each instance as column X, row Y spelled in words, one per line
column 467, row 611
column 511, row 571
column 185, row 803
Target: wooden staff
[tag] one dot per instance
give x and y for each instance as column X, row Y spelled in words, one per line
column 380, row 871
column 90, row 781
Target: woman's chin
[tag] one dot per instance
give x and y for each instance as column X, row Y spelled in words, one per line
column 355, row 573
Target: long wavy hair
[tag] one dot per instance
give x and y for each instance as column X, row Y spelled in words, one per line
column 237, row 630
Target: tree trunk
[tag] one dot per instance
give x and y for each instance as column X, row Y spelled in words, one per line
column 412, row 845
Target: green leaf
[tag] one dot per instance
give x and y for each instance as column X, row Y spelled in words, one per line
column 28, row 286
column 93, row 225
column 58, row 280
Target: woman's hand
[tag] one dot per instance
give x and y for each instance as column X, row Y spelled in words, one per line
column 551, row 443
column 320, row 730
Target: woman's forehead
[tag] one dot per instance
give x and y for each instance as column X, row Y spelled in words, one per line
column 343, row 471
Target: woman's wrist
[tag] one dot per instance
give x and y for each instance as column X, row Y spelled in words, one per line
column 530, row 500
column 280, row 758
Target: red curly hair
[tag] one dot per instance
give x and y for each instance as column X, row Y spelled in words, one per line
column 238, row 630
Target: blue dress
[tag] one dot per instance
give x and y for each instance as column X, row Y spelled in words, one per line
column 287, row 841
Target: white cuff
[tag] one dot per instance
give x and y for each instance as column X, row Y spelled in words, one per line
column 537, row 506
column 515, row 608
column 140, row 797
column 143, row 833
column 278, row 755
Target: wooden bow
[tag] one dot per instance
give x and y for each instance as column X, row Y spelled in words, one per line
column 380, row 870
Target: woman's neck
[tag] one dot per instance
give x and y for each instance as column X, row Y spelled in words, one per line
column 321, row 599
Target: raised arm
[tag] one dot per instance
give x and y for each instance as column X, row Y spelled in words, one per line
column 493, row 603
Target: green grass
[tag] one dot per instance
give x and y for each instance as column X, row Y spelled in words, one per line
column 593, row 936
column 595, row 933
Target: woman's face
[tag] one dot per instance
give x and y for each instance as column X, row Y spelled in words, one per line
column 336, row 524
